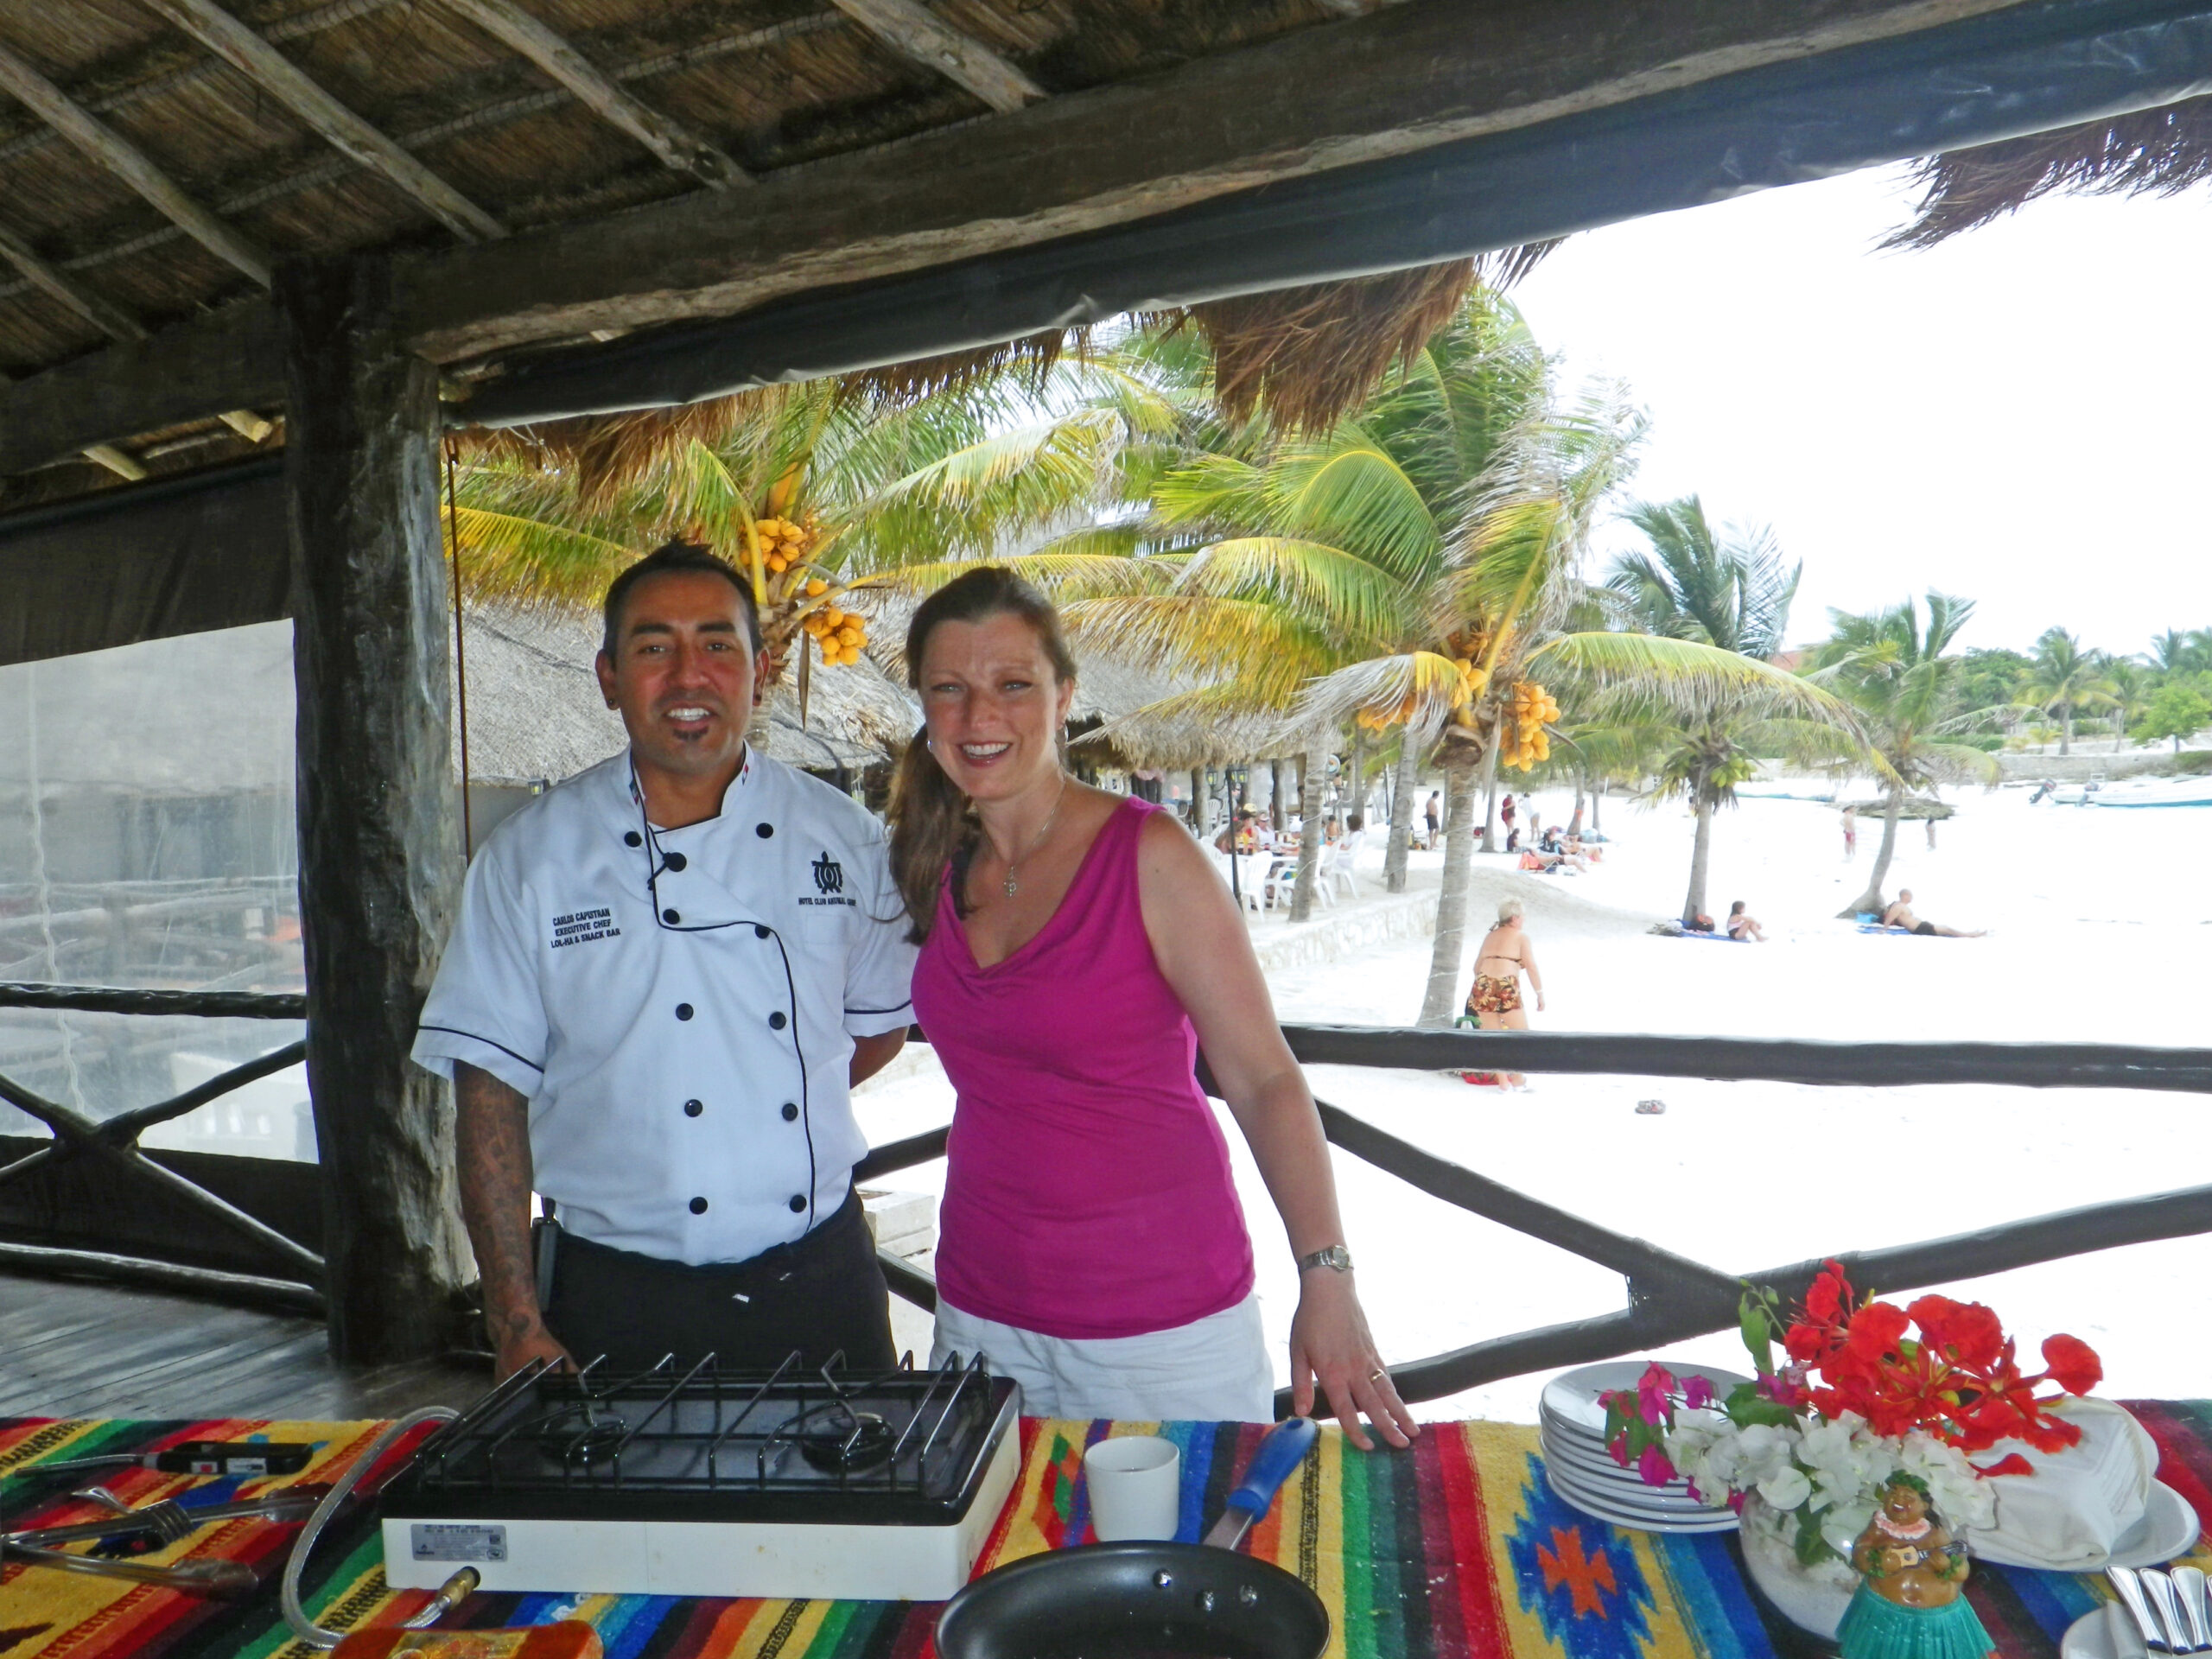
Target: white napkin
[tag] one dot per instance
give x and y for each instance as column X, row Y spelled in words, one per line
column 2067, row 1514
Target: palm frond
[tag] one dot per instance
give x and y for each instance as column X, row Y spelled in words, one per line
column 530, row 562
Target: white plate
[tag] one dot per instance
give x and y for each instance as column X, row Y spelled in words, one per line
column 1593, row 1460
column 1617, row 1487
column 2090, row 1638
column 1724, row 1522
column 1571, row 1398
column 1651, row 1502
column 2169, row 1528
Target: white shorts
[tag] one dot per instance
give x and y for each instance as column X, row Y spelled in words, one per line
column 1213, row 1369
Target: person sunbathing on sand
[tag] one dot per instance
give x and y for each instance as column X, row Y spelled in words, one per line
column 1745, row 929
column 1899, row 916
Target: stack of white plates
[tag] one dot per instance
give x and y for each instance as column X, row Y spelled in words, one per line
column 1572, row 1426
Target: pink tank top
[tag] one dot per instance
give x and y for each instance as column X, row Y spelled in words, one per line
column 1088, row 1192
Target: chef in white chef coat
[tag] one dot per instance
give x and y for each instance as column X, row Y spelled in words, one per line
column 666, row 975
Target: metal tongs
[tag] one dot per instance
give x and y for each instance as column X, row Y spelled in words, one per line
column 2169, row 1608
column 228, row 1581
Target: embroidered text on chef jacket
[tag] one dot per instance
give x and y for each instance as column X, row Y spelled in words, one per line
column 678, row 1005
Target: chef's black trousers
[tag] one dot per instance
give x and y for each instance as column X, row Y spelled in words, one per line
column 816, row 1295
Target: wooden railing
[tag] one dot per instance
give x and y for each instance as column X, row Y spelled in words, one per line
column 1669, row 1297
column 113, row 1143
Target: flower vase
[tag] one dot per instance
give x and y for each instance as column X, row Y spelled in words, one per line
column 1811, row 1598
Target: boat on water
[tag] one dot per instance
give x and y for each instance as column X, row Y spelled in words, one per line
column 2155, row 791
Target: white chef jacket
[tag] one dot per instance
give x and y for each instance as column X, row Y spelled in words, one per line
column 678, row 1005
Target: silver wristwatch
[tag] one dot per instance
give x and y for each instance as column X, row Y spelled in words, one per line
column 1335, row 1257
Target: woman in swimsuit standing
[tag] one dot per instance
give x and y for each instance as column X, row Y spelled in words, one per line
column 1505, row 956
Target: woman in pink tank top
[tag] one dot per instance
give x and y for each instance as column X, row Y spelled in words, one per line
column 1077, row 949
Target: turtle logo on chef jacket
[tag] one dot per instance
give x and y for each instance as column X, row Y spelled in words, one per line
column 828, row 882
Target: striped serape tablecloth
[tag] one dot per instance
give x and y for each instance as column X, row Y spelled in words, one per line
column 1457, row 1547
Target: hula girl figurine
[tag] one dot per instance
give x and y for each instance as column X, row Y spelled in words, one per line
column 1909, row 1602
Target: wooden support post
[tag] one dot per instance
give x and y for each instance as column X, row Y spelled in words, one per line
column 379, row 853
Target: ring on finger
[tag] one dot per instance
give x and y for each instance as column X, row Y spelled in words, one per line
column 1376, row 1376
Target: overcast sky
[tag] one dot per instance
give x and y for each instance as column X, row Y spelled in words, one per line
column 2022, row 416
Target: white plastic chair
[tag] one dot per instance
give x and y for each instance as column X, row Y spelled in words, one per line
column 1245, row 884
column 1325, row 874
column 1347, row 857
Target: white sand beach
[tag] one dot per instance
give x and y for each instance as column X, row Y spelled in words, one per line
column 2100, row 926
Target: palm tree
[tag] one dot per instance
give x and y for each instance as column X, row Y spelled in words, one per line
column 2176, row 652
column 1270, row 559
column 1896, row 674
column 2128, row 685
column 1731, row 591
column 2064, row 679
column 1411, row 570
column 819, row 492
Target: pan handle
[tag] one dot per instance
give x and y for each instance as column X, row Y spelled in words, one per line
column 1284, row 1449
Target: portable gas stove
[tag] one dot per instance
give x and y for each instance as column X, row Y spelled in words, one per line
column 711, row 1482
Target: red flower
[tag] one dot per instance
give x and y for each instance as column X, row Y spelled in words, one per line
column 1804, row 1342
column 1876, row 1330
column 1829, row 1298
column 2074, row 1364
column 1965, row 1332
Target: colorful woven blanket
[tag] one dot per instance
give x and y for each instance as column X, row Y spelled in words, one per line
column 1457, row 1547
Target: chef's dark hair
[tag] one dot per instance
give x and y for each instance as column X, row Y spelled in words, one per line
column 678, row 557
column 932, row 825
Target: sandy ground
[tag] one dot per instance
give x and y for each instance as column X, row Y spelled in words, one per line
column 2101, row 922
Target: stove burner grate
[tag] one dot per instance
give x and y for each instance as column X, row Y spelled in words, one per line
column 709, row 1430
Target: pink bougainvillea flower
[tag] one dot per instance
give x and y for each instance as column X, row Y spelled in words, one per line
column 1653, row 1389
column 1654, row 1467
column 1697, row 1394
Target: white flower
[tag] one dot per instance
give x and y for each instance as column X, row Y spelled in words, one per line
column 1764, row 1450
column 1843, row 1524
column 1786, row 1487
column 1961, row 1497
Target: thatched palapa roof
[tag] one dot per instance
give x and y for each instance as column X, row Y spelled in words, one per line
column 2149, row 152
column 267, row 129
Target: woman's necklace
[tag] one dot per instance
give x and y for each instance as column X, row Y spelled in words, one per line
column 1037, row 840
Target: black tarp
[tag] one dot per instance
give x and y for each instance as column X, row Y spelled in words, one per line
column 202, row 550
column 2024, row 69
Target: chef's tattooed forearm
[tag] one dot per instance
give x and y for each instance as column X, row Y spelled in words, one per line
column 492, row 1132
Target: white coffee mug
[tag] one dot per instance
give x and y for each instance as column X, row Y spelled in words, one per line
column 1136, row 1487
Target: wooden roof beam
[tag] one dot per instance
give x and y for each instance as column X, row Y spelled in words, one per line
column 911, row 29
column 128, row 162
column 361, row 143
column 116, row 324
column 677, row 145
column 59, row 285
column 1398, row 83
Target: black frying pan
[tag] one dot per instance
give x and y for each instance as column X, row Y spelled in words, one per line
column 1118, row 1601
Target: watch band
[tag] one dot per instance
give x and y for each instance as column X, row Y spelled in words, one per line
column 1335, row 1256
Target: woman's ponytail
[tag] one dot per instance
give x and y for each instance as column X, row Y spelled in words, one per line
column 930, row 826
